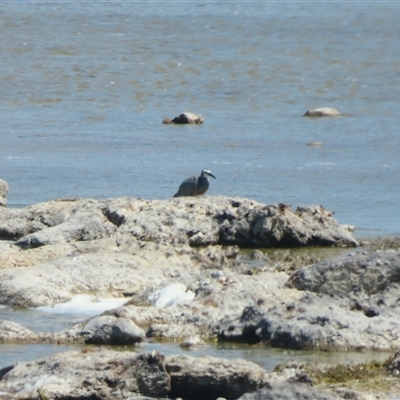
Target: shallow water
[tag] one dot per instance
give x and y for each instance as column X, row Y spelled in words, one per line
column 265, row 357
column 85, row 86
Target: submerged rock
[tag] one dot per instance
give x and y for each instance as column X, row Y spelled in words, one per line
column 322, row 112
column 185, row 118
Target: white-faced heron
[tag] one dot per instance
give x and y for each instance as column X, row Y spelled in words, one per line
column 195, row 186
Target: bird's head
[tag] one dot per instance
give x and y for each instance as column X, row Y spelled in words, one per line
column 206, row 173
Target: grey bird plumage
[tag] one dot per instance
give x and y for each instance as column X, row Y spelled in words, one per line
column 195, row 186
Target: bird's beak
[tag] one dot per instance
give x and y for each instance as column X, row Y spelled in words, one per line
column 210, row 174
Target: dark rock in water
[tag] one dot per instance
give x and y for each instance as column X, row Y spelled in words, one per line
column 322, row 112
column 3, row 192
column 185, row 118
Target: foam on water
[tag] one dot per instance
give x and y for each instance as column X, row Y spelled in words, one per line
column 85, row 305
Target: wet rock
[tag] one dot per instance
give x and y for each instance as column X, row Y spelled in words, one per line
column 209, row 377
column 3, row 193
column 185, row 118
column 111, row 330
column 322, row 112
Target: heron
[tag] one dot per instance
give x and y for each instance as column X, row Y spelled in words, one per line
column 195, row 186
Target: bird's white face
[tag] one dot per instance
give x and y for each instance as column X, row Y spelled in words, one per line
column 207, row 172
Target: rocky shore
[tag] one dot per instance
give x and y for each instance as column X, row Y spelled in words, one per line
column 179, row 263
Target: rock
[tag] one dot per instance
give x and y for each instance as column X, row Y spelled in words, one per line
column 209, row 377
column 394, row 366
column 90, row 373
column 349, row 303
column 192, row 342
column 11, row 332
column 58, row 280
column 130, row 241
column 212, row 220
column 101, row 373
column 3, row 193
column 172, row 294
column 111, row 330
column 322, row 112
column 356, row 274
column 286, row 391
column 185, row 118
column 314, row 144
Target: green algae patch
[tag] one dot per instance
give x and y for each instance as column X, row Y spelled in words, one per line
column 383, row 243
column 361, row 373
column 370, row 377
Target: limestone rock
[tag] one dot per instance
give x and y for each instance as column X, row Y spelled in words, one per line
column 195, row 221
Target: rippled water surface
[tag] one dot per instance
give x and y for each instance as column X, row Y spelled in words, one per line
column 85, row 86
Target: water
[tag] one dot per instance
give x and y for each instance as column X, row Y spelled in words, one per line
column 267, row 358
column 83, row 307
column 85, row 86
